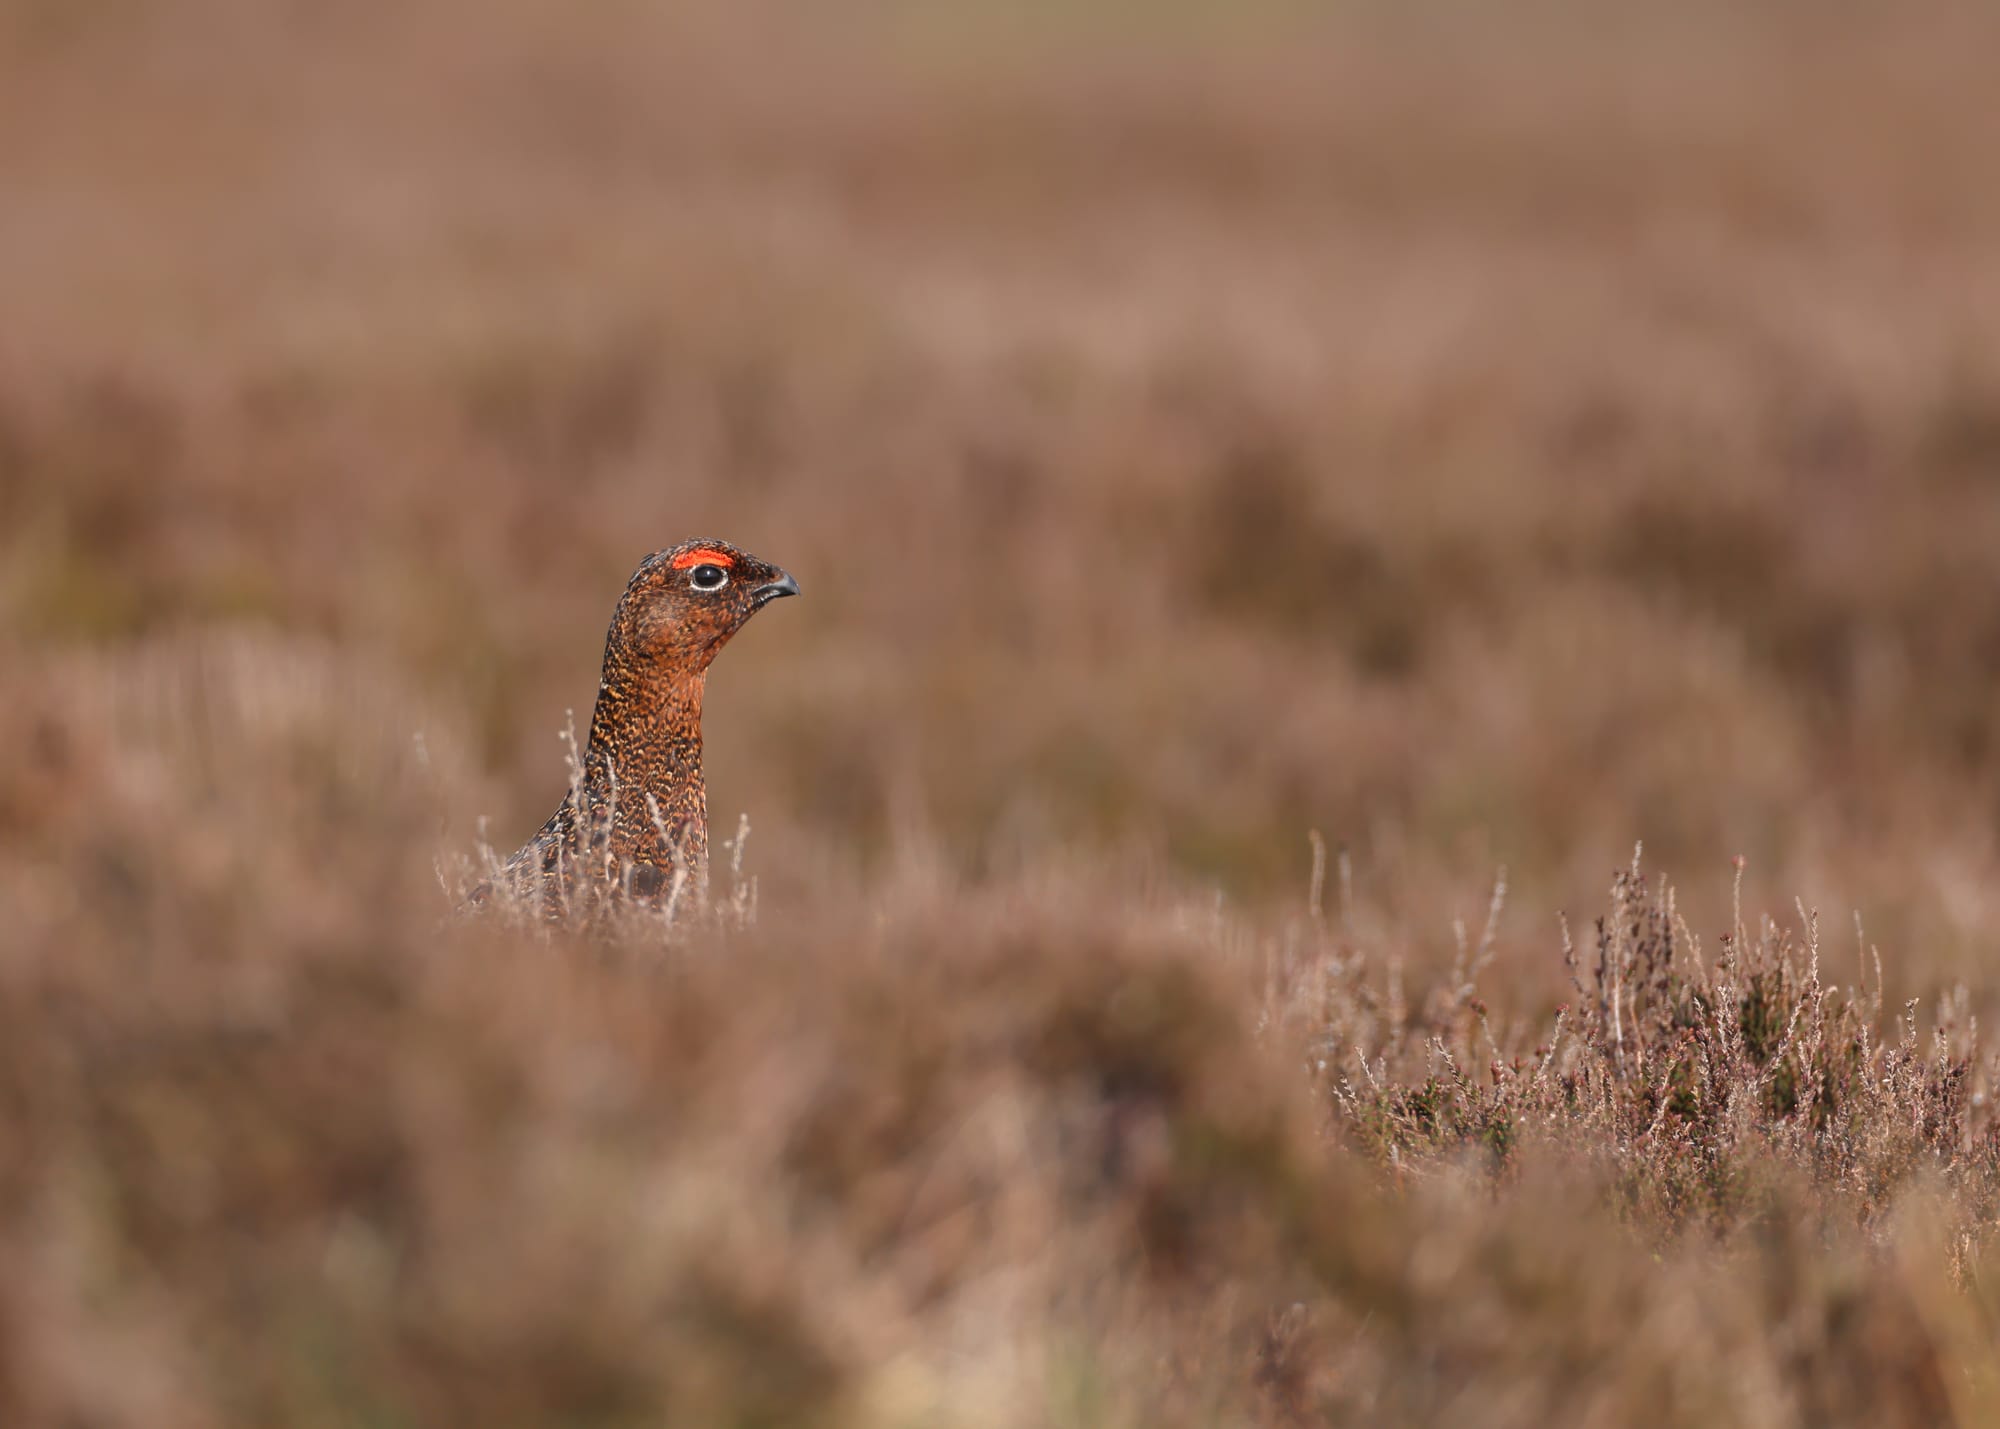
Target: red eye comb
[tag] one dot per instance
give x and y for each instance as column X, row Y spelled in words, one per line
column 703, row 556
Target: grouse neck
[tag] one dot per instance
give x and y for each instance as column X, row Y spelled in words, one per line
column 646, row 721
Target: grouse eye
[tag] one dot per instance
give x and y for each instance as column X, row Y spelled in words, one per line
column 709, row 577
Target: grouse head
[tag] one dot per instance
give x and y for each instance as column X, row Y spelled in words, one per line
column 683, row 603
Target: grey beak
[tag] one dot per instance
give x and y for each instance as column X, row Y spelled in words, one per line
column 783, row 586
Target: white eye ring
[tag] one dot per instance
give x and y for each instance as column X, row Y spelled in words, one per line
column 708, row 577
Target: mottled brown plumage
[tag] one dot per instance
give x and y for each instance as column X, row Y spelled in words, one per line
column 637, row 815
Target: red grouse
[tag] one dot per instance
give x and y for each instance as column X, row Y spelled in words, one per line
column 635, row 821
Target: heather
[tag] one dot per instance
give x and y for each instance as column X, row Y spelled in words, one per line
column 1287, row 499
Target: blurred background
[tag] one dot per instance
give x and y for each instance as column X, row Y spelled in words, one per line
column 1486, row 439
column 1483, row 436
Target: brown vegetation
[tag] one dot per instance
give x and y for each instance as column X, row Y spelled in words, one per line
column 1486, row 443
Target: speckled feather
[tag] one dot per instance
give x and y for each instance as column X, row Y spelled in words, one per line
column 640, row 810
